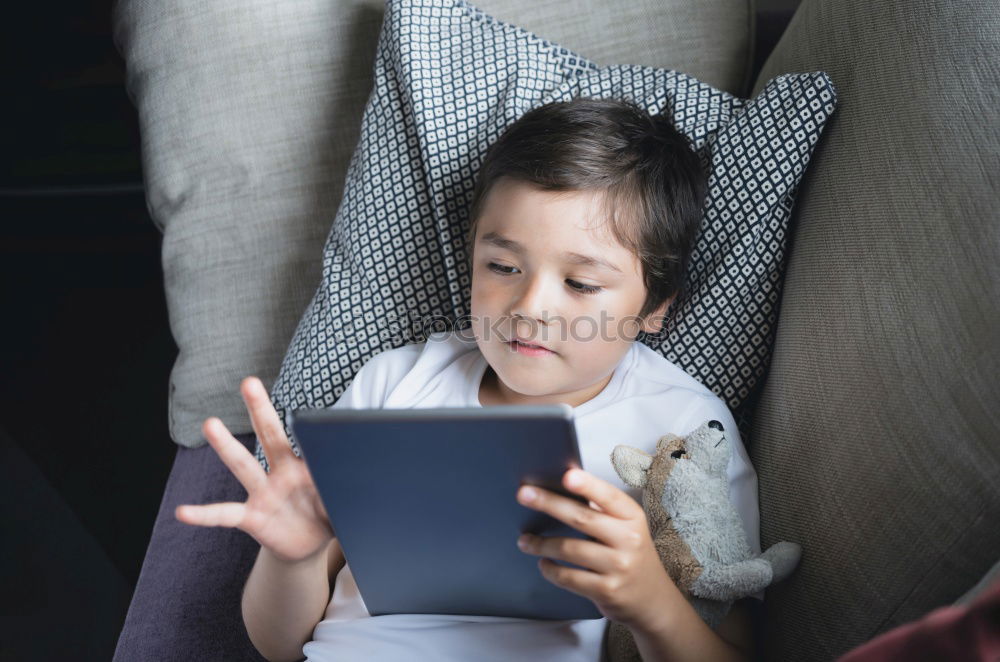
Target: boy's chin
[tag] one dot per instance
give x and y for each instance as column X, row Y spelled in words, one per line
column 521, row 381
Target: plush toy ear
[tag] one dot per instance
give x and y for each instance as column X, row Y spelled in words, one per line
column 631, row 465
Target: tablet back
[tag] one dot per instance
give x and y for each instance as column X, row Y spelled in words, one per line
column 423, row 502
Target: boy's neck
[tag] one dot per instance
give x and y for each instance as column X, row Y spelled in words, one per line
column 492, row 391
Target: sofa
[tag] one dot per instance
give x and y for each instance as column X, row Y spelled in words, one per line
column 876, row 435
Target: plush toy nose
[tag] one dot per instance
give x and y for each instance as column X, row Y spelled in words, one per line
column 715, row 425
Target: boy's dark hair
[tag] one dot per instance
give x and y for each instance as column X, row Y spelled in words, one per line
column 653, row 181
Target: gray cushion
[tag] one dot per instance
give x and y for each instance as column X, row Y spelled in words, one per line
column 249, row 111
column 876, row 437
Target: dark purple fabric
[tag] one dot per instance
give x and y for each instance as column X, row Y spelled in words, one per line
column 186, row 605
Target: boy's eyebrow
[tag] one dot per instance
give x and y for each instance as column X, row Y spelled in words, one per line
column 500, row 241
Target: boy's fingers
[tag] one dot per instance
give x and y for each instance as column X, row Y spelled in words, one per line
column 266, row 424
column 216, row 514
column 608, row 498
column 570, row 511
column 234, row 455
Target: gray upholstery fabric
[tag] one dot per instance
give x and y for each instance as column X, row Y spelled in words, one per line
column 877, row 436
column 249, row 111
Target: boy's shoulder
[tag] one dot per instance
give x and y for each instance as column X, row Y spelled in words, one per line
column 438, row 350
column 407, row 375
column 440, row 345
column 658, row 384
column 655, row 370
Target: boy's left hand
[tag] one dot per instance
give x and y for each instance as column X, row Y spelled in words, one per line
column 625, row 577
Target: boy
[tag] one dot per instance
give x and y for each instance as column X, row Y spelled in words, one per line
column 583, row 219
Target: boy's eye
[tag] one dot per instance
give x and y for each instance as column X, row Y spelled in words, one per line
column 577, row 287
column 585, row 289
column 500, row 268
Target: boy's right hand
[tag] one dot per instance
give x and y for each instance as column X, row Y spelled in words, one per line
column 283, row 511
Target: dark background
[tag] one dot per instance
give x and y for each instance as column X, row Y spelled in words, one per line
column 86, row 349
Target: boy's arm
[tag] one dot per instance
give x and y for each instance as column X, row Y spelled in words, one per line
column 682, row 635
column 283, row 601
column 335, row 561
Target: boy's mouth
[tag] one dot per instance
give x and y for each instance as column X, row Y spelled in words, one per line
column 529, row 349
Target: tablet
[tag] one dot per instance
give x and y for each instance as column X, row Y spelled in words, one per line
column 423, row 502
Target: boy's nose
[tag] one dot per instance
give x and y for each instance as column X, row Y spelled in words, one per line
column 530, row 305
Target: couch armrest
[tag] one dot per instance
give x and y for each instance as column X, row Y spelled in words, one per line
column 186, row 605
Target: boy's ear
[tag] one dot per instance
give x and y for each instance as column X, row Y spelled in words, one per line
column 653, row 322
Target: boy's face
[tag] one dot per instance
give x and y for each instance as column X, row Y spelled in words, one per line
column 543, row 270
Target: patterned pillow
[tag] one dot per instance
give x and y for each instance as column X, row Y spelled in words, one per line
column 448, row 80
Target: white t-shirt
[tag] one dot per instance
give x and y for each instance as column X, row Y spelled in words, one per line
column 647, row 397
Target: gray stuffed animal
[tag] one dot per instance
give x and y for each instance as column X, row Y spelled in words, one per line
column 696, row 530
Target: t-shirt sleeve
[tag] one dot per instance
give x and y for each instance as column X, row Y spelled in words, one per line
column 356, row 395
column 377, row 377
column 741, row 474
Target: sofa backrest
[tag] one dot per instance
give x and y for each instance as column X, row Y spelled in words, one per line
column 877, row 435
